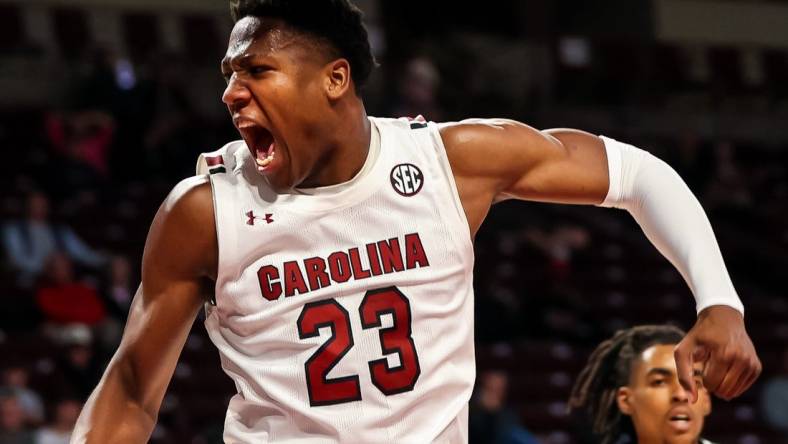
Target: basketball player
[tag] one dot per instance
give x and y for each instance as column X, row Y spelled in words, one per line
column 339, row 247
column 630, row 387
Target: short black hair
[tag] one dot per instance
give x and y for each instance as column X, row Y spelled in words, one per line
column 338, row 22
column 609, row 368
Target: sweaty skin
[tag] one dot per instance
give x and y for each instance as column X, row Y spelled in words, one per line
column 658, row 405
column 288, row 96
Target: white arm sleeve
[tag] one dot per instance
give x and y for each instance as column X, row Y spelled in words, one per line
column 672, row 219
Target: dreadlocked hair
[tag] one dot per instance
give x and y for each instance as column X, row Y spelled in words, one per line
column 337, row 22
column 609, row 368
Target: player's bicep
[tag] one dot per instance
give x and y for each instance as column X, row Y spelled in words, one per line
column 566, row 166
column 508, row 159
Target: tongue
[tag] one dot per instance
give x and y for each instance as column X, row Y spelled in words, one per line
column 262, row 152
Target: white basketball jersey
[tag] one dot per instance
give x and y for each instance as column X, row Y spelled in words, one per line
column 345, row 314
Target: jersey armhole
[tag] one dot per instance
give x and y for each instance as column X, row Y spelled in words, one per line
column 443, row 160
column 226, row 238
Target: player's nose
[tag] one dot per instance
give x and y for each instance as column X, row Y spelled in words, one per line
column 679, row 393
column 236, row 94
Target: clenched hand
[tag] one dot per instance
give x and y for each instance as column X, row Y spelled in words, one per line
column 718, row 339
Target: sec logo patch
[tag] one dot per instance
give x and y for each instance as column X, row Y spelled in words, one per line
column 407, row 179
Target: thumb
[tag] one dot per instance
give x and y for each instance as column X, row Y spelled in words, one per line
column 685, row 354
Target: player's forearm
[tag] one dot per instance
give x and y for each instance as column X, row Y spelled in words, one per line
column 672, row 219
column 112, row 414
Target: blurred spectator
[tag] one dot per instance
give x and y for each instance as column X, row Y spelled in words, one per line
column 117, row 293
column 728, row 188
column 119, row 289
column 490, row 420
column 83, row 138
column 559, row 245
column 692, row 159
column 418, row 91
column 29, row 242
column 59, row 432
column 15, row 380
column 79, row 364
column 63, row 300
column 96, row 87
column 774, row 399
column 170, row 124
column 13, row 428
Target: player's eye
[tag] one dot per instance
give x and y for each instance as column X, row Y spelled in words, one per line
column 657, row 382
column 258, row 69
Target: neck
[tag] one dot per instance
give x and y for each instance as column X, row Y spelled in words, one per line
column 349, row 146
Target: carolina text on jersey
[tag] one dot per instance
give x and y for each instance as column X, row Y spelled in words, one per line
column 383, row 257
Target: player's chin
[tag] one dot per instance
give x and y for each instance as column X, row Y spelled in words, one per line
column 685, row 436
column 278, row 176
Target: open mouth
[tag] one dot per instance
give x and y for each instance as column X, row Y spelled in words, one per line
column 260, row 142
column 680, row 423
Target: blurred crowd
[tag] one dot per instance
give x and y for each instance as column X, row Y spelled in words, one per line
column 85, row 175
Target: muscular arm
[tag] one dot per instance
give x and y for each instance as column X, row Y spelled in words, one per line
column 180, row 254
column 499, row 159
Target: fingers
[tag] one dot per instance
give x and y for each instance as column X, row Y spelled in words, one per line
column 717, row 368
column 742, row 384
column 753, row 370
column 732, row 364
column 683, row 354
column 728, row 374
column 732, row 380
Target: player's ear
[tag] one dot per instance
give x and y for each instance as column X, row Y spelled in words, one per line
column 338, row 78
column 624, row 400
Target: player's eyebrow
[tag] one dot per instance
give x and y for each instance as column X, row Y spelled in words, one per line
column 661, row 371
column 240, row 59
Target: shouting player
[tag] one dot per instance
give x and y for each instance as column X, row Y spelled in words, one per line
column 339, row 248
column 630, row 388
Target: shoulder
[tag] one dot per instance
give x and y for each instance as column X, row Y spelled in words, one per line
column 187, row 212
column 487, row 134
column 183, row 232
column 193, row 190
column 190, row 195
column 490, row 147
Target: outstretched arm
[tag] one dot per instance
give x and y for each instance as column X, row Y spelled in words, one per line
column 180, row 254
column 499, row 159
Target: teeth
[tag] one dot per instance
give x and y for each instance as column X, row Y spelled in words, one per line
column 266, row 161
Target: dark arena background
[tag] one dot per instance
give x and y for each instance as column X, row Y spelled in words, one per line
column 105, row 105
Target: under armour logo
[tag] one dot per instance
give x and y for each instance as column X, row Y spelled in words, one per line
column 252, row 217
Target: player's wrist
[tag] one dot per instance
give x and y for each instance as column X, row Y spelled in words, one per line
column 722, row 311
column 731, row 302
